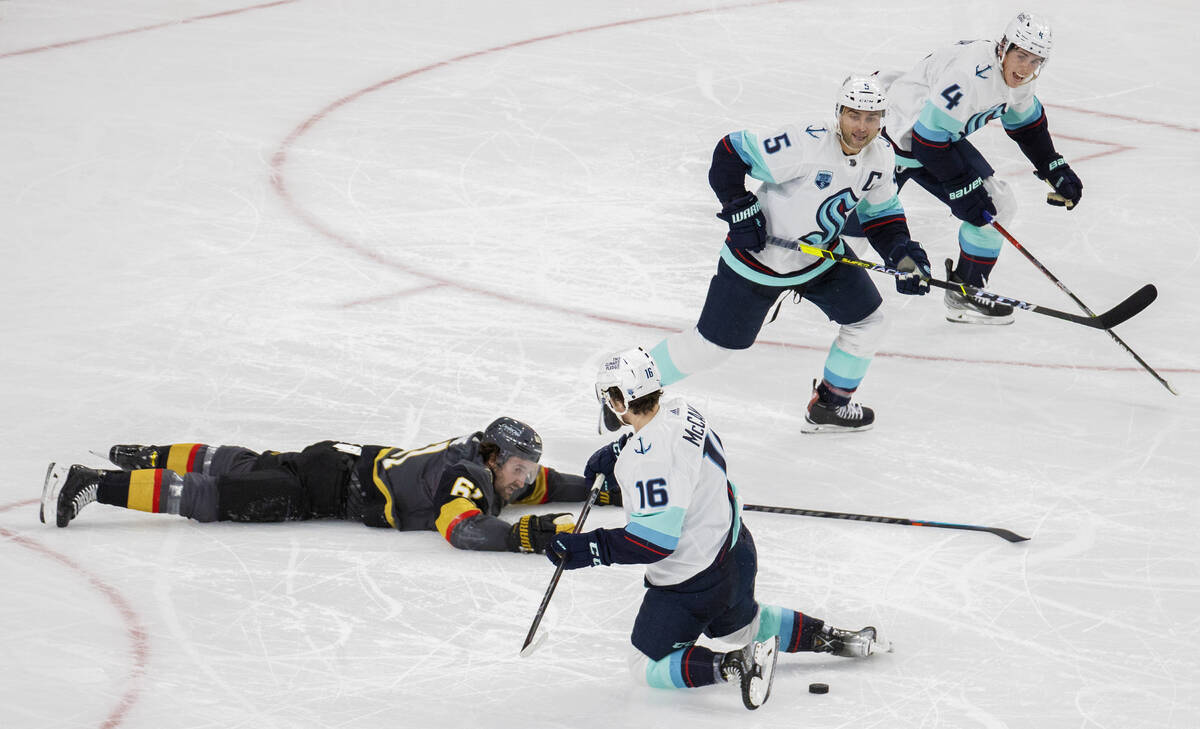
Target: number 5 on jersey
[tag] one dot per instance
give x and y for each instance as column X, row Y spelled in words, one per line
column 653, row 493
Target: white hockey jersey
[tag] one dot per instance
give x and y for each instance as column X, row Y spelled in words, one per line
column 810, row 186
column 675, row 492
column 952, row 93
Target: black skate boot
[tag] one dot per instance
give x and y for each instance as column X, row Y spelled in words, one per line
column 67, row 490
column 753, row 667
column 132, row 457
column 962, row 309
column 850, row 643
column 829, row 417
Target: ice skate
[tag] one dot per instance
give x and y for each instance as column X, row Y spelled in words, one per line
column 131, row 457
column 67, row 490
column 826, row 417
column 850, row 643
column 754, row 669
column 962, row 309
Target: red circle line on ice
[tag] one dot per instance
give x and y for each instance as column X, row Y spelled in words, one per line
column 278, row 181
column 140, row 643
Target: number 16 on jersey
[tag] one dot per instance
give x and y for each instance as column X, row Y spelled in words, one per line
column 653, row 493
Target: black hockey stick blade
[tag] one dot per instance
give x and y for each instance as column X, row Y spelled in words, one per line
column 1129, row 308
column 530, row 644
column 998, row 531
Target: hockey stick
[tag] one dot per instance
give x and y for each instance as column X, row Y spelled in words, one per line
column 529, row 646
column 1123, row 311
column 1079, row 302
column 1002, row 533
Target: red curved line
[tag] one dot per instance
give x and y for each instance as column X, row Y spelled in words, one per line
column 133, row 625
column 279, row 160
column 142, row 29
column 1122, row 117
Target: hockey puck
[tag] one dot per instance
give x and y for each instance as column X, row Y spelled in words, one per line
column 818, row 688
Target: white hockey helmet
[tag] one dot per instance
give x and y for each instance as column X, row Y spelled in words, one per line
column 1029, row 32
column 861, row 92
column 634, row 372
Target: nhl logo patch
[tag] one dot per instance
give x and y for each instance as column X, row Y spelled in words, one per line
column 824, row 177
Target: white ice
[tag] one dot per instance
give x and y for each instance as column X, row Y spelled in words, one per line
column 391, row 222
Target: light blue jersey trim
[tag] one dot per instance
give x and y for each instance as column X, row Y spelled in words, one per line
column 771, row 622
column 983, row 242
column 1015, row 120
column 667, row 371
column 781, row 281
column 661, row 528
column 936, row 125
column 844, row 370
column 666, row 673
column 868, row 212
column 746, row 145
column 907, row 162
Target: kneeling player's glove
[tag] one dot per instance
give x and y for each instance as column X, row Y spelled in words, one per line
column 1067, row 186
column 604, row 460
column 910, row 258
column 968, row 199
column 747, row 224
column 532, row 533
column 575, row 550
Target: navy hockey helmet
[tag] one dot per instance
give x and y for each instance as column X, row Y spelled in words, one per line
column 514, row 438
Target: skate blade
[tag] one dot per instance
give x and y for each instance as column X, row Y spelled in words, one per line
column 831, row 428
column 963, row 317
column 50, row 488
column 756, row 689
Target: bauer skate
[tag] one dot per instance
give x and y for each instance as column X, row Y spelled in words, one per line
column 962, row 309
column 828, row 417
column 850, row 643
column 754, row 669
column 67, row 490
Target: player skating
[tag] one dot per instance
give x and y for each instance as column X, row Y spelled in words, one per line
column 814, row 173
column 456, row 486
column 684, row 523
column 952, row 93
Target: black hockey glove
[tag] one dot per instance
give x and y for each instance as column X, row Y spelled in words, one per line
column 575, row 550
column 603, row 461
column 1067, row 186
column 910, row 257
column 968, row 199
column 532, row 533
column 747, row 224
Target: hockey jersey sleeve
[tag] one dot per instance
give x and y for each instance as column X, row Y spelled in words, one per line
column 464, row 507
column 552, row 485
column 1025, row 123
column 773, row 156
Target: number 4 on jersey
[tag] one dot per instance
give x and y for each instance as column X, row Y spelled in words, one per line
column 952, row 95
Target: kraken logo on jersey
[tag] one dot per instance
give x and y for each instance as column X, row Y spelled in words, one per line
column 977, row 121
column 831, row 218
column 824, row 177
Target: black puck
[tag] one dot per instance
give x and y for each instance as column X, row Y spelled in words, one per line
column 818, row 688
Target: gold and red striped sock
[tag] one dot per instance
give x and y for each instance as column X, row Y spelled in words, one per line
column 153, row 490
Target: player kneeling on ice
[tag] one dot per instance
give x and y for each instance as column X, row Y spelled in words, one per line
column 949, row 95
column 684, row 524
column 814, row 174
column 457, row 486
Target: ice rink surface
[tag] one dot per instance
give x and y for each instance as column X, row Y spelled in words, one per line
column 273, row 224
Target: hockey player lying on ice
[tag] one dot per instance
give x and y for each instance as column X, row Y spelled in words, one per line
column 456, row 486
